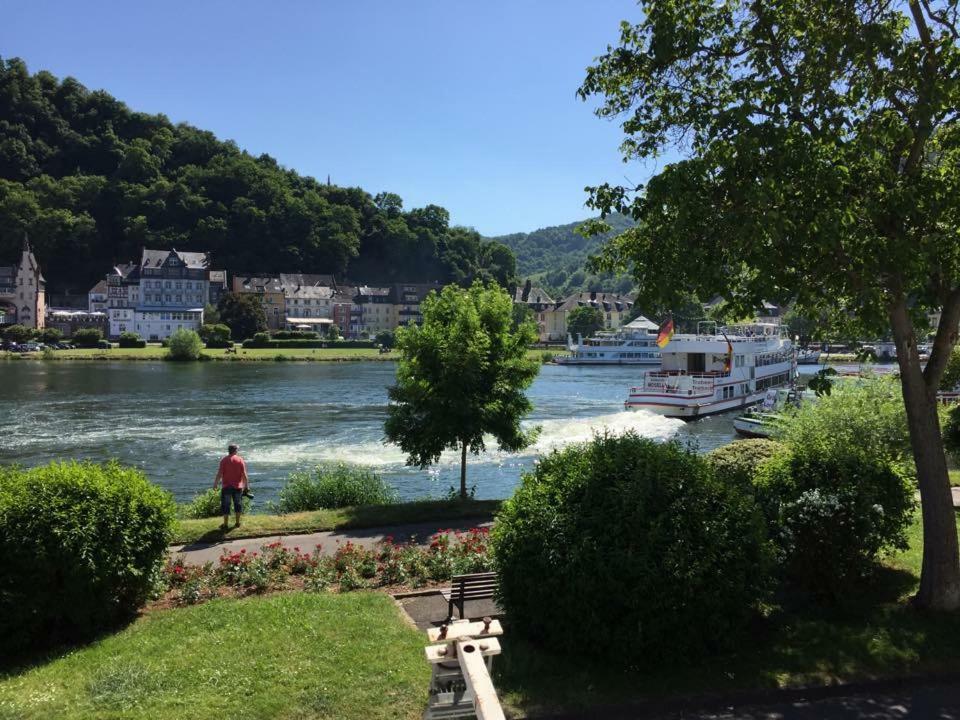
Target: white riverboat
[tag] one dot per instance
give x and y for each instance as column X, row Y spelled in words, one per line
column 633, row 344
column 716, row 370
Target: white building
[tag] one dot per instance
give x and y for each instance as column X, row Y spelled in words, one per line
column 166, row 291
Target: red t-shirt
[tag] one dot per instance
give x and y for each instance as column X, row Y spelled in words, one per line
column 232, row 469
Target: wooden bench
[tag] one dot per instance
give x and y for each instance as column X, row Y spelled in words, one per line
column 476, row 586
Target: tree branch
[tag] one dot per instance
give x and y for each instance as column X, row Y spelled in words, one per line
column 945, row 340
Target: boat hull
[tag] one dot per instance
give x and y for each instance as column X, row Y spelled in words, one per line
column 752, row 428
column 693, row 411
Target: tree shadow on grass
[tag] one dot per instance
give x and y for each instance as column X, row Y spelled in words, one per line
column 19, row 661
column 875, row 634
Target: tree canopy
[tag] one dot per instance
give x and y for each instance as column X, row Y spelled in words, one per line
column 243, row 314
column 584, row 321
column 819, row 162
column 92, row 181
column 461, row 376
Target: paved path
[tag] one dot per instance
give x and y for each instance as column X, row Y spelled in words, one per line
column 956, row 496
column 329, row 541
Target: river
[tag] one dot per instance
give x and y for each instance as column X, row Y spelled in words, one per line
column 174, row 420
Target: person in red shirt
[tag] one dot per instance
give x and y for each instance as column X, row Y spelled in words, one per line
column 233, row 475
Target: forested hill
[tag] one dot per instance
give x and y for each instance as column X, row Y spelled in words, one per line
column 92, row 181
column 557, row 247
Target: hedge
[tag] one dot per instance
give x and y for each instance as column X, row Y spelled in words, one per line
column 295, row 335
column 306, row 344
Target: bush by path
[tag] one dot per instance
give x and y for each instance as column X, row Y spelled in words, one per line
column 632, row 551
column 81, row 547
column 331, row 486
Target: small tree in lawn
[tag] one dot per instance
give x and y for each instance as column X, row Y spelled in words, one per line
column 333, row 332
column 243, row 313
column 584, row 321
column 184, row 345
column 461, row 376
column 818, row 161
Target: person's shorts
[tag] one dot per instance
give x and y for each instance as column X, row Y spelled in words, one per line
column 226, row 494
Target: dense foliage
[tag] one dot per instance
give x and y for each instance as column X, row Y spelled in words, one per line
column 87, row 337
column 820, row 164
column 81, row 544
column 584, row 321
column 216, row 335
column 631, row 551
column 866, row 414
column 461, row 377
column 333, row 486
column 16, row 333
column 206, row 504
column 737, row 462
column 951, row 432
column 556, row 256
column 832, row 511
column 92, row 181
column 131, row 340
column 184, row 344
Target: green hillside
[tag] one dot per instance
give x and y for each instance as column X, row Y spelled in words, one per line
column 93, row 181
column 555, row 257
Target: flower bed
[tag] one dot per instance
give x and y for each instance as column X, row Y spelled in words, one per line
column 351, row 567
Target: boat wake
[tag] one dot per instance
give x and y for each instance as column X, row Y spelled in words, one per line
column 554, row 434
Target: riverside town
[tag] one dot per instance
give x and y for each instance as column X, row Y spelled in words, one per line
column 517, row 360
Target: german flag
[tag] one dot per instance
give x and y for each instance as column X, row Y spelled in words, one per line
column 666, row 332
column 728, row 360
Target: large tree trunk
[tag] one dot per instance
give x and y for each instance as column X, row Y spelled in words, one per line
column 463, row 471
column 940, row 574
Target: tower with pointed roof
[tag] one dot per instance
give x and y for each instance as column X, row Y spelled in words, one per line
column 23, row 290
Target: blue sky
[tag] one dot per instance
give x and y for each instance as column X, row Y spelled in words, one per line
column 466, row 105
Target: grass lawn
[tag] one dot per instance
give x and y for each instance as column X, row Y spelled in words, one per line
column 207, row 530
column 955, row 478
column 156, row 352
column 877, row 636
column 348, row 656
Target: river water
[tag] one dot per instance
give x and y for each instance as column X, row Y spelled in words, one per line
column 175, row 419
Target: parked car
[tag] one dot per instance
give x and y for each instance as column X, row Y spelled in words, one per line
column 30, row 347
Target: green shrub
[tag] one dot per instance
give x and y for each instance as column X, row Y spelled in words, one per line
column 216, row 336
column 333, row 486
column 866, row 414
column 295, row 335
column 104, row 345
column 630, row 551
column 333, row 332
column 131, row 340
column 87, row 337
column 260, row 339
column 385, row 338
column 951, row 432
column 81, row 545
column 738, row 462
column 831, row 512
column 206, row 504
column 17, row 333
column 185, row 345
column 265, row 342
column 50, row 335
